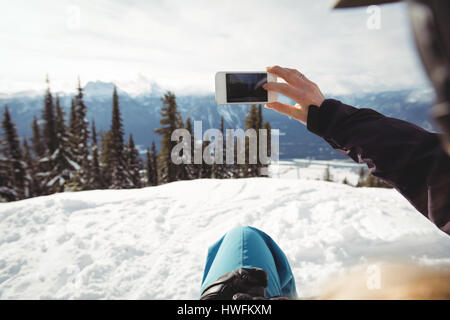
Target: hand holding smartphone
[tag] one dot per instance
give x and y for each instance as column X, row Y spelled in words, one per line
column 241, row 87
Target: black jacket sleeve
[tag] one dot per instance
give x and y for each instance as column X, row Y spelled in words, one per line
column 404, row 155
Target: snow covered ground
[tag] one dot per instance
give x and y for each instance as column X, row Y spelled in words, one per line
column 315, row 170
column 151, row 243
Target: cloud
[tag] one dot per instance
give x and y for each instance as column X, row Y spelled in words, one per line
column 181, row 44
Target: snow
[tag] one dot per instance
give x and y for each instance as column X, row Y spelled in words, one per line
column 74, row 165
column 315, row 170
column 151, row 243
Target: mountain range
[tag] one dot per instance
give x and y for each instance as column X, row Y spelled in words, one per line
column 141, row 116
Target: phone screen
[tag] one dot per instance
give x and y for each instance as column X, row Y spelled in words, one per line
column 246, row 87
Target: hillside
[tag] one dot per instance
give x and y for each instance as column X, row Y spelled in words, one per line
column 151, row 243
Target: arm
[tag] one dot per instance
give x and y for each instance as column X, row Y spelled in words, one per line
column 402, row 154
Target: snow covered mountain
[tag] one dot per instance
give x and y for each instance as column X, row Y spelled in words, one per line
column 141, row 114
column 151, row 243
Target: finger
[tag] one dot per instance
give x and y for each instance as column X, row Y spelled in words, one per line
column 291, row 76
column 283, row 108
column 283, row 88
column 296, row 72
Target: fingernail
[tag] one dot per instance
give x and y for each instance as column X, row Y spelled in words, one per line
column 264, row 86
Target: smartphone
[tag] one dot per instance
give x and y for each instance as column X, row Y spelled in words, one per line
column 243, row 87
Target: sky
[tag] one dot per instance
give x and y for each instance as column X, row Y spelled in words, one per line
column 179, row 45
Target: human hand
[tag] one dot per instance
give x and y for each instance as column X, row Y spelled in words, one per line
column 247, row 281
column 297, row 87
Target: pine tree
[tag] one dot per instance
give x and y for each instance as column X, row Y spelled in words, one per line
column 170, row 120
column 148, row 168
column 93, row 133
column 206, row 170
column 79, row 132
column 134, row 164
column 237, row 170
column 252, row 121
column 151, row 166
column 191, row 168
column 259, row 117
column 73, row 128
column 260, row 125
column 119, row 179
column 267, row 128
column 31, row 183
column 63, row 164
column 106, row 159
column 183, row 170
column 154, row 157
column 50, row 141
column 7, row 192
column 194, row 170
column 221, row 171
column 49, row 130
column 39, row 153
column 37, row 143
column 95, row 175
column 14, row 188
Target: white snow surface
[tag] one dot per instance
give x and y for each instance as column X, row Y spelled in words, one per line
column 151, row 243
column 315, row 170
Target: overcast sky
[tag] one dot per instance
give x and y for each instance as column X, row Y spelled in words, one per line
column 181, row 44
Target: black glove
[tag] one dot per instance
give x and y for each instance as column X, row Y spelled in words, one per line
column 249, row 281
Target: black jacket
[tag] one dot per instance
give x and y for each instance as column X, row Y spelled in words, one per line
column 405, row 156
